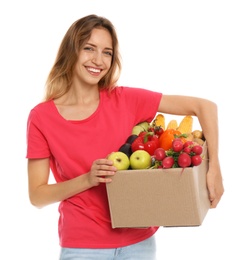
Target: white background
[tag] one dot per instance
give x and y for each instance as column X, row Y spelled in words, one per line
column 176, row 47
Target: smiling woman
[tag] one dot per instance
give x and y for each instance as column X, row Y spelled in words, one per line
column 83, row 100
column 96, row 51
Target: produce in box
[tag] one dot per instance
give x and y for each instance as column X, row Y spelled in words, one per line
column 153, row 145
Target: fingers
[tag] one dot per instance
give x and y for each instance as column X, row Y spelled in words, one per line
column 213, row 203
column 214, row 197
column 104, row 167
column 215, row 186
column 101, row 171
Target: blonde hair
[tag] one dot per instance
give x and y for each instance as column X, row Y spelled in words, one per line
column 59, row 79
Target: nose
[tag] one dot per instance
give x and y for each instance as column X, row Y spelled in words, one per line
column 97, row 58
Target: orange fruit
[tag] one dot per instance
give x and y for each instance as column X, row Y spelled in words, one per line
column 167, row 137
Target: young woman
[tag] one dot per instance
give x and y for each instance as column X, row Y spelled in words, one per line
column 85, row 117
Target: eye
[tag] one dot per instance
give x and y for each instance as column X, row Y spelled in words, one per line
column 108, row 53
column 87, row 48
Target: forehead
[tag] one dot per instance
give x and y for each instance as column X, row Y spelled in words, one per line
column 101, row 36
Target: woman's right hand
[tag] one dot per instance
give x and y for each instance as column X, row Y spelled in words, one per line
column 101, row 171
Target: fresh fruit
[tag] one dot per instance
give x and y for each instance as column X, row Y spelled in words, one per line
column 171, row 147
column 140, row 159
column 137, row 129
column 120, row 160
column 146, row 141
column 158, row 130
column 167, row 137
column 143, row 126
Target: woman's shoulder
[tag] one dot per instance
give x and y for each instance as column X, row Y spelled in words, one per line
column 41, row 109
column 44, row 105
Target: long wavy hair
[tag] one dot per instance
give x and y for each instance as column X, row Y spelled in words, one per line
column 59, row 79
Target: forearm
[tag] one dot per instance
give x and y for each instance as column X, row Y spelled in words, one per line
column 47, row 194
column 208, row 119
column 41, row 193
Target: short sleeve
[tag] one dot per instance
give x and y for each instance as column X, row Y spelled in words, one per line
column 143, row 102
column 37, row 145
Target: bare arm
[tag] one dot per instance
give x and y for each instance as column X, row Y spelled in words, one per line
column 206, row 112
column 41, row 193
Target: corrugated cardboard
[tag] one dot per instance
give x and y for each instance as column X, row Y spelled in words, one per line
column 159, row 197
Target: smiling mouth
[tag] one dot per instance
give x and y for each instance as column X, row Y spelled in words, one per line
column 94, row 70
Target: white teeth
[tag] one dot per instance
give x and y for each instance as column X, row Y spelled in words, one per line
column 94, row 70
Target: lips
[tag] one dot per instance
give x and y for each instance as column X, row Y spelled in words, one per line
column 94, row 71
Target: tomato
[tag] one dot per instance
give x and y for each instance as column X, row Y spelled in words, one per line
column 158, row 130
column 167, row 137
column 147, row 142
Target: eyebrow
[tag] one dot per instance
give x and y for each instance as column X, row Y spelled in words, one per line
column 106, row 48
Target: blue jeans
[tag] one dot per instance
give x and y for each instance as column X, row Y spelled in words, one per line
column 144, row 250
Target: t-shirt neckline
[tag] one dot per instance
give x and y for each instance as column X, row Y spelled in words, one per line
column 81, row 120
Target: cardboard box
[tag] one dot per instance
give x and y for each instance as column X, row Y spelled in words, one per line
column 159, row 197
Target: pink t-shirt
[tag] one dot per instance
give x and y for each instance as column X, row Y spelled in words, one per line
column 72, row 146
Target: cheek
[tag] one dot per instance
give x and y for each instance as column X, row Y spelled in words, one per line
column 108, row 63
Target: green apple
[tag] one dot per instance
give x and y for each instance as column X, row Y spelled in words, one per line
column 140, row 159
column 137, row 129
column 141, row 127
column 145, row 125
column 120, row 160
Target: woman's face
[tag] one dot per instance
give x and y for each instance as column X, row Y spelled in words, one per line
column 94, row 59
